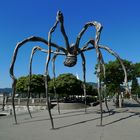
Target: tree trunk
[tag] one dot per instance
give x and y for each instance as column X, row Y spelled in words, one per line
column 117, row 100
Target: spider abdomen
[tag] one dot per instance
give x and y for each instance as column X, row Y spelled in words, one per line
column 70, row 60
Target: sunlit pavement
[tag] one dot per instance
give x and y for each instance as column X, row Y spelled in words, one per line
column 122, row 124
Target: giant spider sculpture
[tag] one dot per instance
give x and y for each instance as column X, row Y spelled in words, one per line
column 70, row 52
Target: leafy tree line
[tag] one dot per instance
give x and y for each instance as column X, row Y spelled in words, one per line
column 37, row 85
column 115, row 76
column 66, row 85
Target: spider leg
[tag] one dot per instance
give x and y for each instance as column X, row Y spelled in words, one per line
column 35, row 39
column 29, row 85
column 84, row 78
column 121, row 62
column 98, row 27
column 61, row 20
column 99, row 88
column 97, row 37
column 99, row 60
column 123, row 67
column 36, row 48
column 46, row 86
column 46, row 71
column 54, row 82
column 11, row 71
column 86, row 48
column 13, row 97
column 30, row 74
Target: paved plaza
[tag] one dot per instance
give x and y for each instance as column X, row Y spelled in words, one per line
column 122, row 124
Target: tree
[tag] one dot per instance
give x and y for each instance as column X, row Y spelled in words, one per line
column 91, row 90
column 66, row 84
column 115, row 76
column 135, row 87
column 21, row 86
column 37, row 85
column 136, row 73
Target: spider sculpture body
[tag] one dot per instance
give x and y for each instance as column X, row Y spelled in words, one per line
column 70, row 52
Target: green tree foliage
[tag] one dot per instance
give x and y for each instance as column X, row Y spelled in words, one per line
column 91, row 90
column 21, row 86
column 136, row 73
column 37, row 85
column 135, row 87
column 115, row 74
column 115, row 77
column 66, row 84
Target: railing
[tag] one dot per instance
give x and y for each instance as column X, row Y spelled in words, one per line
column 23, row 101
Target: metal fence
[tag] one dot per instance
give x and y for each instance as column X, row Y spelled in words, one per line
column 23, row 101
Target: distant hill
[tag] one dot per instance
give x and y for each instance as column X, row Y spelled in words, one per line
column 5, row 90
column 93, row 84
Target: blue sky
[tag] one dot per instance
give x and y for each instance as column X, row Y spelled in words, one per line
column 20, row 19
